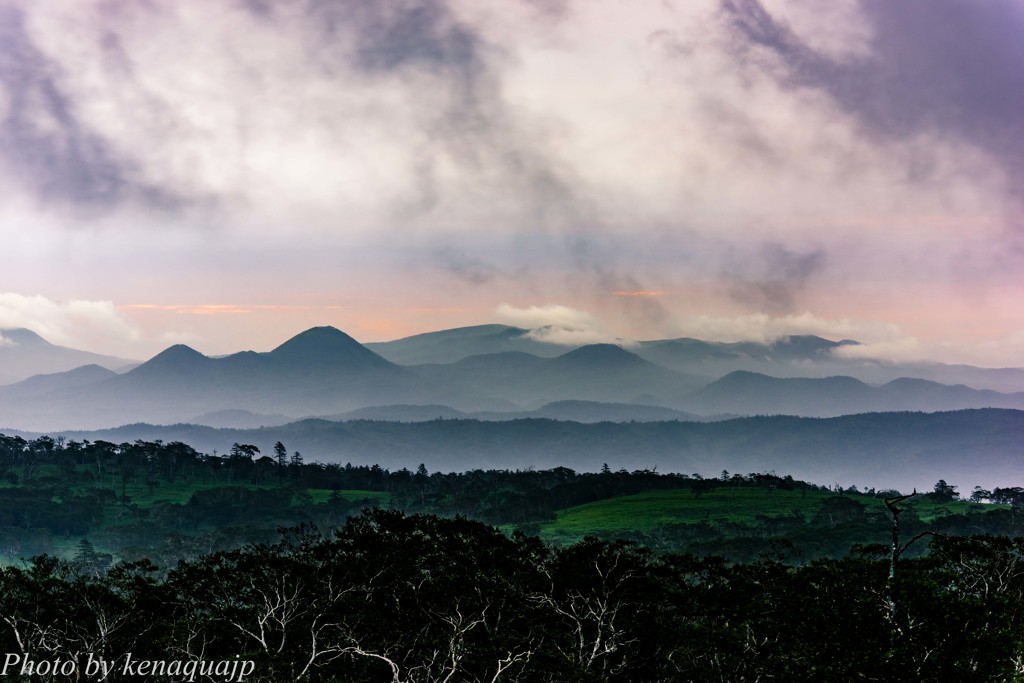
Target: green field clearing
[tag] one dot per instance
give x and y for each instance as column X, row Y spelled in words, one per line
column 645, row 512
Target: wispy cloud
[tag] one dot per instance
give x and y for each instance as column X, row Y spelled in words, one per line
column 762, row 327
column 76, row 321
column 556, row 324
column 636, row 293
column 773, row 278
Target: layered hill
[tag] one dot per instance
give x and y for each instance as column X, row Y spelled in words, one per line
column 24, row 353
column 325, row 372
column 902, row 450
column 749, row 393
column 568, row 410
column 449, row 346
column 791, row 356
column 320, row 370
column 597, row 372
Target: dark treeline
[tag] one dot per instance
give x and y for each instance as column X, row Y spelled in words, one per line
column 186, row 564
column 166, row 501
column 82, row 476
column 394, row 597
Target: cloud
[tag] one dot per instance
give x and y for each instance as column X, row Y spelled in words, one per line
column 993, row 353
column 901, row 349
column 772, row 280
column 762, row 327
column 43, row 137
column 637, row 293
column 451, row 152
column 940, row 68
column 551, row 9
column 77, row 322
column 877, row 341
column 392, row 109
column 556, row 324
column 467, row 268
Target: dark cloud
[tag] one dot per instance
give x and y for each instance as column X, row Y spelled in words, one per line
column 952, row 68
column 554, row 9
column 46, row 143
column 598, row 272
column 260, row 8
column 453, row 73
column 771, row 280
column 424, row 36
column 466, row 268
column 448, row 73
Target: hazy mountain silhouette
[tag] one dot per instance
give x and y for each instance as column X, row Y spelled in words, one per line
column 571, row 410
column 39, row 385
column 24, row 353
column 792, row 356
column 317, row 371
column 907, row 391
column 751, row 393
column 485, row 370
column 401, row 413
column 602, row 372
column 239, row 419
column 902, row 450
column 798, row 355
column 815, row 357
column 329, row 348
column 595, row 411
column 449, row 346
column 324, row 371
column 598, row 372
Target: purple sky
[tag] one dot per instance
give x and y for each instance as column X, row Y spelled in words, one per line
column 227, row 174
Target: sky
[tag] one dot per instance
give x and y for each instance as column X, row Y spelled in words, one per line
column 228, row 174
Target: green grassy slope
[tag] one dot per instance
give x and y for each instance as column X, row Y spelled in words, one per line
column 645, row 512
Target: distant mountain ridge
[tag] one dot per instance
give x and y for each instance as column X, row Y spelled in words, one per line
column 23, row 353
column 323, row 371
column 901, row 450
column 598, row 372
column 449, row 346
column 750, row 393
column 327, row 346
column 316, row 371
column 791, row 356
column 567, row 410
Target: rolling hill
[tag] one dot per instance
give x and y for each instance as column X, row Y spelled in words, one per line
column 449, row 346
column 901, row 450
column 750, row 393
column 24, row 353
column 317, row 371
column 325, row 372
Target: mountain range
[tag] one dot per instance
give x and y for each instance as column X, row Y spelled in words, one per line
column 882, row 450
column 791, row 356
column 23, row 353
column 489, row 372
